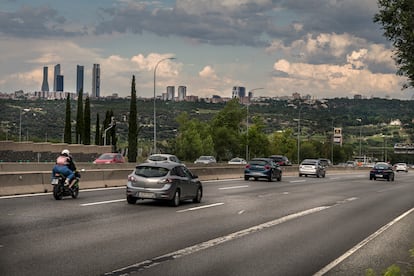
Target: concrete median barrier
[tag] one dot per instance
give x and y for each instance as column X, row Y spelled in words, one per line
column 27, row 180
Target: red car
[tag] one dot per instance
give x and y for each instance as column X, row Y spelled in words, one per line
column 109, row 158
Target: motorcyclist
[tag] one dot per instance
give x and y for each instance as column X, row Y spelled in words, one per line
column 62, row 168
column 70, row 164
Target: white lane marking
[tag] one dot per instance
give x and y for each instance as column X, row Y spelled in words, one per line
column 211, row 243
column 103, row 202
column 297, row 181
column 241, row 212
column 200, row 207
column 233, row 187
column 361, row 244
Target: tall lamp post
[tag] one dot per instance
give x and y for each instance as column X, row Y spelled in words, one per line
column 155, row 114
column 247, row 123
column 300, row 110
column 360, row 136
column 20, row 122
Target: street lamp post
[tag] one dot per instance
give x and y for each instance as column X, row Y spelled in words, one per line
column 20, row 122
column 300, row 110
column 155, row 113
column 360, row 136
column 247, row 124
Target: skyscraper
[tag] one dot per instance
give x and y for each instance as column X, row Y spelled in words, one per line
column 182, row 92
column 55, row 74
column 79, row 78
column 170, row 93
column 45, row 83
column 96, row 81
column 59, row 83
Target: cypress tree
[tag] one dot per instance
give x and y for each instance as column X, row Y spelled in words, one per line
column 97, row 131
column 67, row 135
column 87, row 122
column 79, row 119
column 132, row 126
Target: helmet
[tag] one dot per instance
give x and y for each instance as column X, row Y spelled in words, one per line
column 65, row 152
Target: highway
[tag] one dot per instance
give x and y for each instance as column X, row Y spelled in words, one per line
column 338, row 225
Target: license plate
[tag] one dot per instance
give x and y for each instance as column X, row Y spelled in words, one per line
column 378, row 175
column 146, row 195
column 55, row 181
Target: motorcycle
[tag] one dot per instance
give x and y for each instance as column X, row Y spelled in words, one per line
column 60, row 189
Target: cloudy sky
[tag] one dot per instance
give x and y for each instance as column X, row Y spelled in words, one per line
column 325, row 48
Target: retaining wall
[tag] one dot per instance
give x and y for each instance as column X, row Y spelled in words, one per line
column 35, row 178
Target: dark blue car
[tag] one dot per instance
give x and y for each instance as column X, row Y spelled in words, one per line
column 262, row 168
column 382, row 170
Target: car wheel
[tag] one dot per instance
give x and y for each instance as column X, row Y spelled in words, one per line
column 392, row 179
column 317, row 175
column 255, row 179
column 131, row 199
column 199, row 194
column 246, row 178
column 300, row 175
column 175, row 201
column 323, row 175
column 279, row 178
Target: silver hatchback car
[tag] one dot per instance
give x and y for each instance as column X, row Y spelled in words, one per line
column 168, row 181
column 312, row 167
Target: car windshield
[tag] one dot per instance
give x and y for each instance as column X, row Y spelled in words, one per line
column 258, row 162
column 158, row 158
column 381, row 167
column 309, row 162
column 106, row 157
column 149, row 171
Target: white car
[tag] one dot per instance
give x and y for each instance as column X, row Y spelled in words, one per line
column 401, row 167
column 204, row 159
column 159, row 157
column 237, row 161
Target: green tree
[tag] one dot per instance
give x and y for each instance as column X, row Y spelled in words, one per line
column 284, row 143
column 67, row 136
column 133, row 125
column 97, row 131
column 87, row 122
column 397, row 20
column 193, row 138
column 226, row 128
column 79, row 119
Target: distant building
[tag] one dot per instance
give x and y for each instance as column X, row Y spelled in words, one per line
column 96, row 81
column 59, row 83
column 55, row 74
column 79, row 79
column 170, row 93
column 182, row 93
column 45, row 83
column 238, row 92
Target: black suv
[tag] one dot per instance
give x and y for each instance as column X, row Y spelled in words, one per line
column 281, row 160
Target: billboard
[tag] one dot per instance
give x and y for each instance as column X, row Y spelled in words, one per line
column 337, row 137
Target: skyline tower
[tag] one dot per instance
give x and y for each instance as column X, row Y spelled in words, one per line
column 59, row 83
column 55, row 74
column 45, row 83
column 170, row 93
column 79, row 79
column 182, row 92
column 96, row 81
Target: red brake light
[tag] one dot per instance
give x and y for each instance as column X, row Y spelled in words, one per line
column 247, row 166
column 267, row 167
column 131, row 178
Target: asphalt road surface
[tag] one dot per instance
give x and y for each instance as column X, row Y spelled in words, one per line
column 342, row 224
